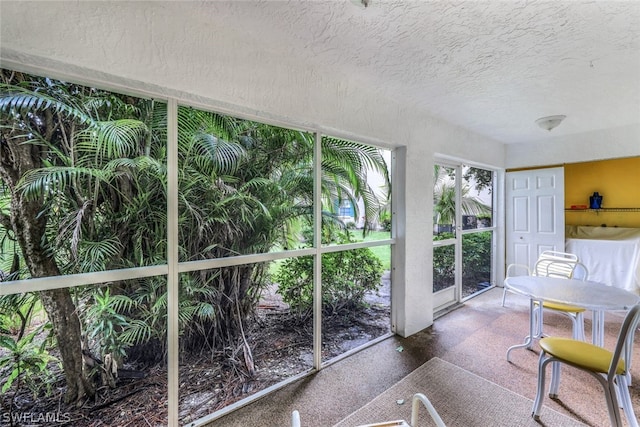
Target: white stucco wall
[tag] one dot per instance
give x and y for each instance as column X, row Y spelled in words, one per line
column 130, row 47
column 604, row 144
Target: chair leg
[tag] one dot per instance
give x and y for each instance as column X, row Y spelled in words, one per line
column 555, row 380
column 628, row 355
column 612, row 404
column 577, row 321
column 537, row 404
column 504, row 295
column 625, row 399
column 295, row 419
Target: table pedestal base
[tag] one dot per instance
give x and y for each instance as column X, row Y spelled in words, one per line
column 535, row 328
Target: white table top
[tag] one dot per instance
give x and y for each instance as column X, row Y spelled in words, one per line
column 586, row 294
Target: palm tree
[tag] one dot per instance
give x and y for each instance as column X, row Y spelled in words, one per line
column 259, row 187
column 85, row 171
column 79, row 168
column 444, row 198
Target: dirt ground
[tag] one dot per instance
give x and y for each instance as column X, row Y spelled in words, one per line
column 280, row 347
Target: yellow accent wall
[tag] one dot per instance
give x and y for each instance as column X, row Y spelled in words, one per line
column 617, row 180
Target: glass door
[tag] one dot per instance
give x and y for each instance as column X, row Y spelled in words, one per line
column 463, row 234
column 446, row 248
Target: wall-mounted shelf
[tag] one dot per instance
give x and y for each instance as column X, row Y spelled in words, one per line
column 604, row 210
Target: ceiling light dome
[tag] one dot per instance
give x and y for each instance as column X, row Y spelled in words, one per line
column 550, row 122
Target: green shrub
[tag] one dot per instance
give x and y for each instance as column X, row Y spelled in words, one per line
column 347, row 277
column 25, row 362
column 385, row 221
column 476, row 260
column 476, row 256
column 104, row 323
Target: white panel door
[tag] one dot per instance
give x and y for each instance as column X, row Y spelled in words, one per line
column 534, row 214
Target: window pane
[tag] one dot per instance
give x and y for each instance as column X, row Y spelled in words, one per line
column 477, row 198
column 89, row 183
column 476, row 262
column 356, row 298
column 356, row 187
column 244, row 328
column 444, row 202
column 443, row 267
column 123, row 347
column 245, row 187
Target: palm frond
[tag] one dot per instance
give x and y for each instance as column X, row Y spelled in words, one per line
column 223, row 155
column 38, row 182
column 16, row 99
column 112, row 139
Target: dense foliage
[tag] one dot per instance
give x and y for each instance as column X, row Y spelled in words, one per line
column 346, row 277
column 83, row 188
column 476, row 255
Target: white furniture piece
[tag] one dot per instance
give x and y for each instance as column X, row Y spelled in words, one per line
column 563, row 270
column 612, row 254
column 418, row 399
column 541, row 268
column 594, row 296
column 553, row 264
column 608, row 367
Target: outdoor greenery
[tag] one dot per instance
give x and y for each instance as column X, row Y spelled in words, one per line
column 83, row 188
column 383, row 253
column 444, row 196
column 26, row 361
column 476, row 255
column 346, row 277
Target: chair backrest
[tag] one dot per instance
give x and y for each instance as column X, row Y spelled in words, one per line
column 625, row 340
column 295, row 419
column 562, row 269
column 556, row 264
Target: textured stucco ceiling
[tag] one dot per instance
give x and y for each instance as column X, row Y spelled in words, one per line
column 493, row 67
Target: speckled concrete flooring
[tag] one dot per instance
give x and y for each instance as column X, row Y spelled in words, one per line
column 474, row 337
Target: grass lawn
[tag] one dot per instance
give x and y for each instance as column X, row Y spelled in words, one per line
column 382, row 252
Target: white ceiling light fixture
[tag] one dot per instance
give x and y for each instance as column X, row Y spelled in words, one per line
column 550, row 122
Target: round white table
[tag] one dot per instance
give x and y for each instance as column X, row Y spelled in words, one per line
column 594, row 296
column 590, row 295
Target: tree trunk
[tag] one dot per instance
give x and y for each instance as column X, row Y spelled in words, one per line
column 28, row 222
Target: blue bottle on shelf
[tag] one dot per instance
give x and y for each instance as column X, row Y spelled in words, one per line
column 595, row 201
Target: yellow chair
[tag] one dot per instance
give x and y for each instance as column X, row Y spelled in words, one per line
column 607, row 367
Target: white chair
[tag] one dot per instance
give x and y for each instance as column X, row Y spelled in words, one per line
column 562, row 269
column 421, row 398
column 295, row 419
column 540, row 268
column 554, row 264
column 609, row 368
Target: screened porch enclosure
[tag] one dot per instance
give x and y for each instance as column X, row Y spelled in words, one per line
column 203, row 256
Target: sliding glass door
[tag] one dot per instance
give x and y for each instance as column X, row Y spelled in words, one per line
column 463, row 234
column 446, row 247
